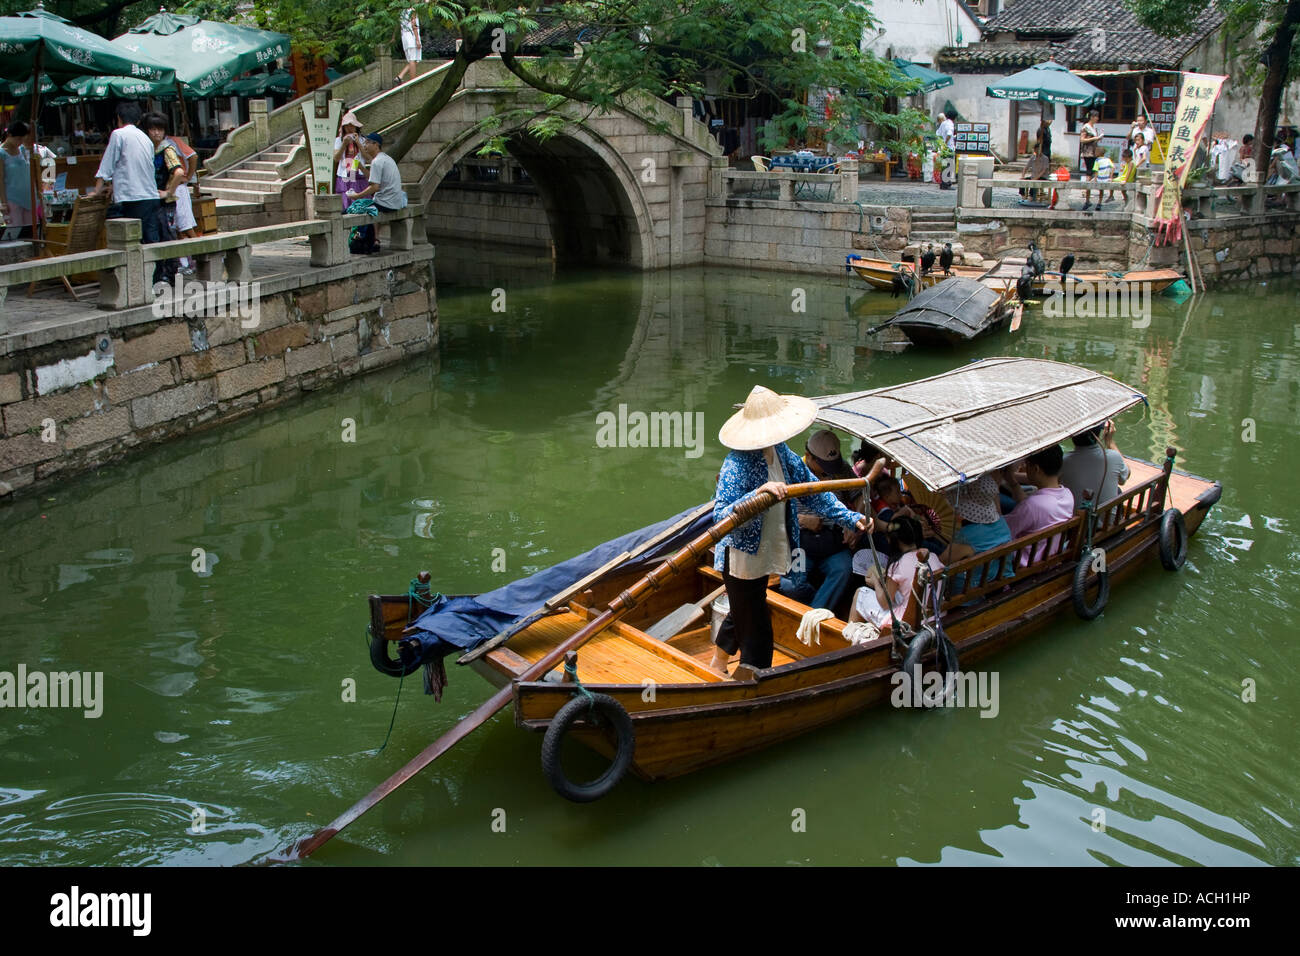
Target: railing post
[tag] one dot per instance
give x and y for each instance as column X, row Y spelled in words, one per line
column 968, row 187
column 123, row 286
column 848, row 185
column 261, row 125
column 785, row 187
column 239, row 263
column 717, row 177
column 384, row 57
column 399, row 231
column 330, row 248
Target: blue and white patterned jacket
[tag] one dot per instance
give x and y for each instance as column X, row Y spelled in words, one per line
column 743, row 472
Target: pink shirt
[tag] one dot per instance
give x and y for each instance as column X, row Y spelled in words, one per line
column 1042, row 509
column 902, row 574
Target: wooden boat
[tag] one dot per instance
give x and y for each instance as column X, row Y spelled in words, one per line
column 880, row 273
column 955, row 311
column 942, row 431
column 1158, row 279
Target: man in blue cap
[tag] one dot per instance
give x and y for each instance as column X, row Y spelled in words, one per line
column 385, row 180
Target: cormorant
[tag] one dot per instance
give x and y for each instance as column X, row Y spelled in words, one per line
column 927, row 259
column 945, row 258
column 1067, row 264
column 1036, row 260
column 1025, row 284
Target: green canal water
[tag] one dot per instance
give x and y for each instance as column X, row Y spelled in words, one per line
column 1121, row 741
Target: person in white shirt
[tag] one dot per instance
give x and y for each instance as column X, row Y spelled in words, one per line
column 385, row 179
column 411, row 45
column 1096, row 464
column 128, row 168
column 947, row 134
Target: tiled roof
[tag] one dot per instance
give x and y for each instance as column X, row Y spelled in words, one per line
column 1084, row 34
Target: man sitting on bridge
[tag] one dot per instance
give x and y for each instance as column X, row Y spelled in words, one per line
column 385, row 180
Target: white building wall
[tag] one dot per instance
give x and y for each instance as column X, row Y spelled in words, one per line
column 917, row 29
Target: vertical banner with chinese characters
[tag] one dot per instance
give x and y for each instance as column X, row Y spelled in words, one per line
column 1195, row 104
column 320, row 124
column 308, row 72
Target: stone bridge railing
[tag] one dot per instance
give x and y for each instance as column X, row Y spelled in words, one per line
column 126, row 265
column 785, row 186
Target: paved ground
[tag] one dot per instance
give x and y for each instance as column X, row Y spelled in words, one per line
column 51, row 305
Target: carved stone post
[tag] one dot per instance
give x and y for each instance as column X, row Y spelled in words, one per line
column 124, row 285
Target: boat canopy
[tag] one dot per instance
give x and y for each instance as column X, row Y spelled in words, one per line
column 952, row 428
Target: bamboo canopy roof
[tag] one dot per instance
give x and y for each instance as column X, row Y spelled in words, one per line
column 952, row 428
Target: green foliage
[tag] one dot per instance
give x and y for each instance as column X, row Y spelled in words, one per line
column 1251, row 25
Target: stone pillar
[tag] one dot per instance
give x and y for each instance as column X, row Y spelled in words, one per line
column 688, row 114
column 261, row 125
column 330, row 246
column 847, row 187
column 718, row 177
column 124, row 285
column 239, row 263
column 785, row 189
column 968, row 187
column 384, row 57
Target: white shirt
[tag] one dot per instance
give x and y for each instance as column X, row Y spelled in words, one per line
column 384, row 173
column 1141, row 154
column 947, row 132
column 1101, row 470
column 128, row 165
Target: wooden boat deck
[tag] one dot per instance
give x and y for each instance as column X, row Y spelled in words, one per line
column 618, row 655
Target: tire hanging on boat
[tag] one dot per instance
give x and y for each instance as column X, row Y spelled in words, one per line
column 1173, row 539
column 407, row 662
column 611, row 712
column 921, row 644
column 1079, row 590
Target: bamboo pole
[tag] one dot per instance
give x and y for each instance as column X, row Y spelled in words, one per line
column 687, row 557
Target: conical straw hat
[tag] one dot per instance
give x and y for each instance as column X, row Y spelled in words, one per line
column 767, row 419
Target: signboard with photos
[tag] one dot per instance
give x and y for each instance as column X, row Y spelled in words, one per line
column 972, row 137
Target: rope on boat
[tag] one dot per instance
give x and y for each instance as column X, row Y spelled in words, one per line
column 392, row 720
column 572, row 671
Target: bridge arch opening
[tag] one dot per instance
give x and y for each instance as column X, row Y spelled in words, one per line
column 571, row 194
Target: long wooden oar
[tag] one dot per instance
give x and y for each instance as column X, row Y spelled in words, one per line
column 687, row 557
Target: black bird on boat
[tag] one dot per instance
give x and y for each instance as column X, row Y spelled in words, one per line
column 1067, row 264
column 945, row 258
column 1037, row 261
column 927, row 259
column 898, row 285
column 1025, row 284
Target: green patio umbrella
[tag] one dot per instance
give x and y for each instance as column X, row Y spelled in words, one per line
column 207, row 53
column 17, row 89
column 37, row 43
column 1047, row 82
column 259, row 84
column 119, row 87
column 931, row 79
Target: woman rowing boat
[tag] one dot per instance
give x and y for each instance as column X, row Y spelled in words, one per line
column 761, row 461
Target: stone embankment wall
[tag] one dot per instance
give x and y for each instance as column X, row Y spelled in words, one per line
column 504, row 215
column 800, row 236
column 75, row 396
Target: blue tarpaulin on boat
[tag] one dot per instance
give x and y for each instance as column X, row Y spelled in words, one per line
column 461, row 623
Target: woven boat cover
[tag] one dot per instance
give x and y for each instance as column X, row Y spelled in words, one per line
column 954, row 427
column 959, row 304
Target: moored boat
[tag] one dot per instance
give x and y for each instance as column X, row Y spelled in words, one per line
column 884, row 274
column 663, row 712
column 955, row 311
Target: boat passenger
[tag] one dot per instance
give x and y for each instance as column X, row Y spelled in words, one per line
column 827, row 549
column 897, row 503
column 1096, row 464
column 1047, row 505
column 761, row 461
column 982, row 527
column 872, row 603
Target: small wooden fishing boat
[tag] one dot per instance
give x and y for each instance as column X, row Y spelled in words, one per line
column 1157, row 279
column 955, row 311
column 882, row 273
column 653, row 705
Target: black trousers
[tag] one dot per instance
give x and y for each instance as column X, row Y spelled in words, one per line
column 748, row 626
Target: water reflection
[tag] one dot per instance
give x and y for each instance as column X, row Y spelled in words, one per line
column 224, row 691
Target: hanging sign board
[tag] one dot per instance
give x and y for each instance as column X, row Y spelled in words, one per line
column 1195, row 104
